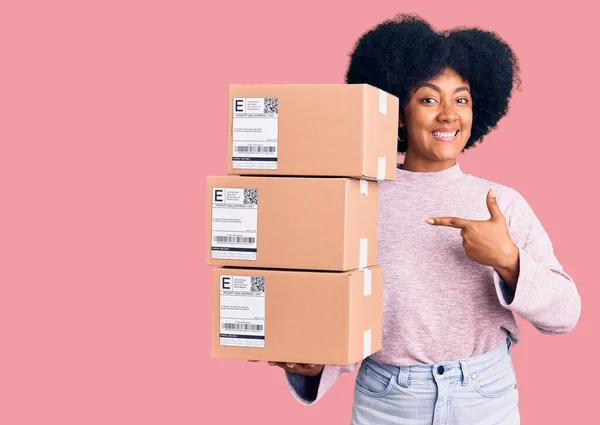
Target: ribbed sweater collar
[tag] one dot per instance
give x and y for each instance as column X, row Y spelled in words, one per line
column 429, row 178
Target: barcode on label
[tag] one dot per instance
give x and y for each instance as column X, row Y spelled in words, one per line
column 271, row 105
column 242, row 326
column 255, row 149
column 258, row 284
column 234, row 239
column 250, row 196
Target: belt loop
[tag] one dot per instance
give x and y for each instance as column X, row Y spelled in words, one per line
column 403, row 379
column 465, row 372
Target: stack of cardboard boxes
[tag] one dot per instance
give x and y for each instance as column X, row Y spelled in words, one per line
column 293, row 227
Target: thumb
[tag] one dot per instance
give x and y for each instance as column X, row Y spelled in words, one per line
column 492, row 205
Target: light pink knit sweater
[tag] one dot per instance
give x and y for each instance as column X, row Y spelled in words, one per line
column 438, row 305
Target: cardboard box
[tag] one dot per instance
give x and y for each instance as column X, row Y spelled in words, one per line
column 345, row 130
column 332, row 318
column 303, row 223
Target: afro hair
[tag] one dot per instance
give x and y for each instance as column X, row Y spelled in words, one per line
column 397, row 55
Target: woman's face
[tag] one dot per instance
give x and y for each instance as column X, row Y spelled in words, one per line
column 438, row 122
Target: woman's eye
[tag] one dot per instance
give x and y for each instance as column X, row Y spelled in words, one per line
column 428, row 100
column 462, row 100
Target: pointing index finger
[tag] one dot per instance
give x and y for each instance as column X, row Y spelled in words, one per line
column 458, row 223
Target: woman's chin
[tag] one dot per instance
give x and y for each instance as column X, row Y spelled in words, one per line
column 444, row 156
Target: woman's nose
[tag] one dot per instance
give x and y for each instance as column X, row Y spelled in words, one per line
column 447, row 112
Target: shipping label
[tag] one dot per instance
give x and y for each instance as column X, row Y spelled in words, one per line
column 234, row 223
column 255, row 132
column 242, row 311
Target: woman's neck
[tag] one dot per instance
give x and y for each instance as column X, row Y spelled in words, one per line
column 419, row 165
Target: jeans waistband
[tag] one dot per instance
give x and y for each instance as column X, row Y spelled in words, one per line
column 442, row 370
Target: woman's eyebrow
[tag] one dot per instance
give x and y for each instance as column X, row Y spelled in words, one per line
column 436, row 88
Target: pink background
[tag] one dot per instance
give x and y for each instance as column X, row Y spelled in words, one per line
column 112, row 113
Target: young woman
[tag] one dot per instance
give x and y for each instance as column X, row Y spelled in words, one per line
column 460, row 254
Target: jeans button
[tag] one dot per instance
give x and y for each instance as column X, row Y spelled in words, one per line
column 440, row 370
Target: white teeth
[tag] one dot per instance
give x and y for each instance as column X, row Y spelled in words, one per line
column 438, row 134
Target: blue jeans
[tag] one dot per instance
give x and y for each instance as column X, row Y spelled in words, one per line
column 480, row 390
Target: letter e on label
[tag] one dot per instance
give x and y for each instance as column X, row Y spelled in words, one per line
column 218, row 195
column 226, row 282
column 239, row 105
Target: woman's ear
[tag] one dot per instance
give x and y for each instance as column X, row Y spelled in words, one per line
column 400, row 121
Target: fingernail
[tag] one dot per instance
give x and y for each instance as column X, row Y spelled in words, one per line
column 493, row 192
column 430, row 221
column 291, row 365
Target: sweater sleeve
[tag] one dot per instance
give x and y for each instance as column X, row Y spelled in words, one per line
column 308, row 390
column 545, row 294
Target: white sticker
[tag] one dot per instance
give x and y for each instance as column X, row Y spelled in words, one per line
column 367, row 282
column 234, row 223
column 255, row 132
column 367, row 343
column 242, row 311
column 381, row 164
column 382, row 102
column 364, row 248
column 364, row 187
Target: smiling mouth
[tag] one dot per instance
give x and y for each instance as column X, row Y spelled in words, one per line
column 444, row 135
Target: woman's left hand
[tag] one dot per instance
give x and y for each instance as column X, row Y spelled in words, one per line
column 486, row 242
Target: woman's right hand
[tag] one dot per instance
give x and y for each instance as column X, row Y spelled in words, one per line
column 301, row 368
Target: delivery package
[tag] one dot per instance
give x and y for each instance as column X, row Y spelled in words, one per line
column 345, row 130
column 332, row 318
column 303, row 223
